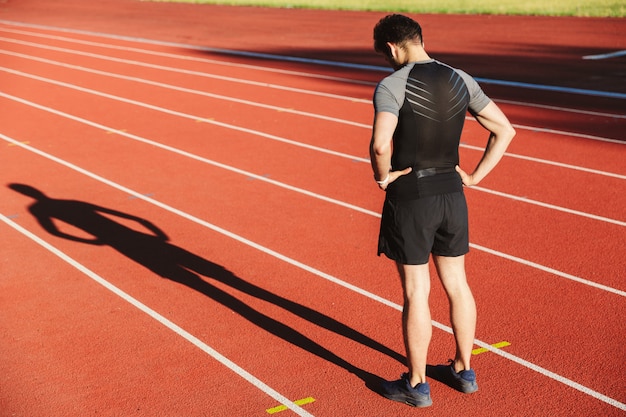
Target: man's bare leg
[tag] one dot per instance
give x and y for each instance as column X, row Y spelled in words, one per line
column 451, row 272
column 416, row 321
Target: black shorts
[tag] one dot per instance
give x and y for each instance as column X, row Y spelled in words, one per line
column 410, row 230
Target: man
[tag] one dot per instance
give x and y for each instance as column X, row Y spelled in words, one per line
column 419, row 114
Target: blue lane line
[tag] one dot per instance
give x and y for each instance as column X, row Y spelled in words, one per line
column 595, row 93
column 615, row 54
column 569, row 90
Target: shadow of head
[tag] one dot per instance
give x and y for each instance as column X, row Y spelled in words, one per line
column 27, row 190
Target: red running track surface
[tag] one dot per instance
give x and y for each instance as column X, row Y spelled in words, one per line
column 191, row 232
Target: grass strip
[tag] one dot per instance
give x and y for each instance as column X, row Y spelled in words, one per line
column 581, row 8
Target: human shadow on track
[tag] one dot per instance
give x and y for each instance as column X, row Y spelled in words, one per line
column 152, row 250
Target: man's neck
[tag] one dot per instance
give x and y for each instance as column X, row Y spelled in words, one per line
column 416, row 53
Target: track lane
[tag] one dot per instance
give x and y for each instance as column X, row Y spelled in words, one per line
column 609, row 119
column 73, row 348
column 365, row 98
column 126, row 161
column 564, row 198
column 369, row 92
column 221, row 79
column 135, row 277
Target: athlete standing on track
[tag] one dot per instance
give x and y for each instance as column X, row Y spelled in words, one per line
column 419, row 114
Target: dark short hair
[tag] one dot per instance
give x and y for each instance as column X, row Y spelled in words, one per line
column 397, row 29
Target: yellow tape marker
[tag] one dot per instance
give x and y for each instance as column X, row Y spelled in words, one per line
column 115, row 132
column 25, row 142
column 496, row 345
column 280, row 408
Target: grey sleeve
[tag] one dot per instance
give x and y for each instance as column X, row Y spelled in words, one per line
column 478, row 99
column 389, row 93
column 385, row 101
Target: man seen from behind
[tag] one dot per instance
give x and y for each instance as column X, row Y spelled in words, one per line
column 420, row 110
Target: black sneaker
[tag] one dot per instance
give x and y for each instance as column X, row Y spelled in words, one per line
column 464, row 381
column 402, row 391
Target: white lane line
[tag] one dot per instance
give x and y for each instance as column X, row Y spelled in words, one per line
column 562, row 109
column 285, row 110
column 550, row 206
column 571, row 134
column 274, row 70
column 186, row 72
column 313, row 271
column 225, row 63
column 553, row 163
column 183, row 115
column 249, row 82
column 267, row 136
column 317, row 196
column 188, row 155
column 321, row 62
column 181, row 89
column 162, row 320
column 550, row 270
column 189, row 58
column 552, row 375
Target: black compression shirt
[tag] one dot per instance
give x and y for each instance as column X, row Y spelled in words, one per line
column 431, row 100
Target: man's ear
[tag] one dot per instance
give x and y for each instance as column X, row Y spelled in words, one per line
column 393, row 49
